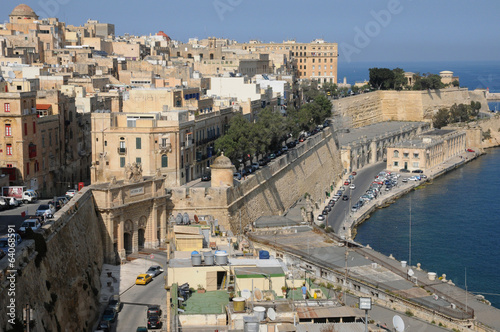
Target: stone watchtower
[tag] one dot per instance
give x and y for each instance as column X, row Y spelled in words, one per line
column 222, row 172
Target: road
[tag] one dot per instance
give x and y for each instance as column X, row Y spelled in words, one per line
column 342, row 209
column 13, row 216
column 135, row 300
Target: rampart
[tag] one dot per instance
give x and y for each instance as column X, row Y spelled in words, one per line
column 310, row 168
column 379, row 106
column 62, row 288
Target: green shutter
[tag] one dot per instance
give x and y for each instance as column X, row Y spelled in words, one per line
column 122, row 161
column 138, row 143
column 164, row 161
column 138, row 160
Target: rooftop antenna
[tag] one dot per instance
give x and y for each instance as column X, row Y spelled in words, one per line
column 398, row 323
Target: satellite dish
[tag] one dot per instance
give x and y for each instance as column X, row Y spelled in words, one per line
column 271, row 314
column 11, row 74
column 411, row 273
column 246, row 294
column 257, row 293
column 398, row 323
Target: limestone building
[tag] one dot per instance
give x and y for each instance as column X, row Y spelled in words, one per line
column 428, row 150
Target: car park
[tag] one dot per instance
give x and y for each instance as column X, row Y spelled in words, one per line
column 143, row 279
column 114, row 302
column 154, row 322
column 45, row 209
column 109, row 315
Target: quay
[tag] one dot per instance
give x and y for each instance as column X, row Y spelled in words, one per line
column 361, row 271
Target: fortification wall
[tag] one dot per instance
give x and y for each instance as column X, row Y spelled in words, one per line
column 63, row 289
column 310, row 168
column 369, row 108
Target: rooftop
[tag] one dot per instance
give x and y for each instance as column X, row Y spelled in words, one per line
column 197, row 304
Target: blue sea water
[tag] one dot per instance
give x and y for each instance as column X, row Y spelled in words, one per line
column 455, row 226
column 472, row 74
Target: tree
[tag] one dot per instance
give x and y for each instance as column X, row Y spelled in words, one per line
column 428, row 81
column 440, row 119
column 455, row 83
column 325, row 106
column 381, row 78
column 236, row 142
column 330, row 89
column 399, row 82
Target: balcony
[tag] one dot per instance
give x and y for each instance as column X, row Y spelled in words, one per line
column 122, row 150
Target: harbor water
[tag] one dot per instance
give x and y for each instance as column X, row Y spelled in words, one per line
column 455, row 228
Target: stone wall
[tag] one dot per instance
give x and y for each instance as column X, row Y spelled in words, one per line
column 310, row 168
column 63, row 290
column 378, row 106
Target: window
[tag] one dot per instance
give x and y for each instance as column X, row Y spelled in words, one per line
column 8, row 130
column 396, row 154
column 415, row 164
column 9, row 165
column 396, row 163
column 122, row 144
column 164, row 161
column 138, row 161
column 415, row 155
column 34, row 127
column 9, row 149
column 138, row 143
column 122, row 161
column 6, row 107
column 43, row 141
column 25, row 129
column 406, row 155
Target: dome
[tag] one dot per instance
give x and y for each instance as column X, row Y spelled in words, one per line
column 23, row 10
column 222, row 162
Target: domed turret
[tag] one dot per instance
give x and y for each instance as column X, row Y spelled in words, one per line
column 222, row 172
column 22, row 14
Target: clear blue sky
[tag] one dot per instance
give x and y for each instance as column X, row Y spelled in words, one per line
column 366, row 30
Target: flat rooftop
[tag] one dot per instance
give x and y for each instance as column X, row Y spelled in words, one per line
column 206, row 303
column 375, row 130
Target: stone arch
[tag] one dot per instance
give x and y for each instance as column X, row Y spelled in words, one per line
column 128, row 231
column 141, row 232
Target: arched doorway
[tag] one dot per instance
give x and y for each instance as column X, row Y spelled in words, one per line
column 141, row 238
column 127, row 243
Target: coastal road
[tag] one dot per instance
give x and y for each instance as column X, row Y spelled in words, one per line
column 362, row 180
column 136, row 299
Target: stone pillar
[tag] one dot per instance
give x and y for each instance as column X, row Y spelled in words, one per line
column 120, row 246
column 135, row 236
column 373, row 148
column 108, row 238
column 163, row 224
column 153, row 228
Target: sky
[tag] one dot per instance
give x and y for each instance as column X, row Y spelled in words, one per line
column 365, row 30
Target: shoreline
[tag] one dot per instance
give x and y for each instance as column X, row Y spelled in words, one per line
column 384, row 201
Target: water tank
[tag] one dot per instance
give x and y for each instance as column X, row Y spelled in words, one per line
column 403, row 263
column 251, row 324
column 221, row 257
column 260, row 313
column 195, row 258
column 263, row 254
column 239, row 304
column 209, row 258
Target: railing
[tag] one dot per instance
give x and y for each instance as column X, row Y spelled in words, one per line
column 122, row 150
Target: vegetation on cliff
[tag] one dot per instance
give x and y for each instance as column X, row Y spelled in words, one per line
column 456, row 113
column 387, row 79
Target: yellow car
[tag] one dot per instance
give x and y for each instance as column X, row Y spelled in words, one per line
column 143, row 279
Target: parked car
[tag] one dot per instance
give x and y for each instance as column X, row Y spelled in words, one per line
column 324, row 212
column 347, row 182
column 109, row 315
column 321, row 217
column 63, row 199
column 345, row 198
column 154, row 322
column 354, row 173
column 404, row 170
column 142, row 329
column 143, row 279
column 404, row 180
column 255, row 166
column 206, row 177
column 153, row 310
column 417, row 171
column 104, row 326
column 34, row 224
column 352, row 186
column 56, row 203
column 4, row 203
column 237, row 175
column 14, row 202
column 45, row 209
column 262, row 162
column 154, row 270
column 328, row 208
column 4, row 240
column 331, row 202
column 115, row 303
column 470, row 150
column 71, row 193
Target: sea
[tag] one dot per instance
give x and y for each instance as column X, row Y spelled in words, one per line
column 455, row 224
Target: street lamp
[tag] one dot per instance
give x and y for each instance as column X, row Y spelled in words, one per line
column 365, row 303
